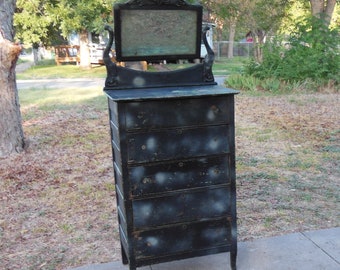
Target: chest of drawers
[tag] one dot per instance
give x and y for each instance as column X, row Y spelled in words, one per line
column 174, row 167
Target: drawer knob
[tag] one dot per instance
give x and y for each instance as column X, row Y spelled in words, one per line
column 216, row 171
column 215, row 109
column 147, row 180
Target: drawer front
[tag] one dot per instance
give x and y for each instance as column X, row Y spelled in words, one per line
column 177, row 143
column 182, row 238
column 209, row 203
column 170, row 176
column 179, row 112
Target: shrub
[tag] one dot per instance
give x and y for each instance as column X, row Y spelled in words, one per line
column 310, row 52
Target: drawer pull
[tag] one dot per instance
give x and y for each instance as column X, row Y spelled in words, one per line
column 147, row 180
column 215, row 109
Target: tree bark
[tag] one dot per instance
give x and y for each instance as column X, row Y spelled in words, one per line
column 11, row 132
column 323, row 9
column 35, row 48
column 232, row 31
column 259, row 39
column 84, row 50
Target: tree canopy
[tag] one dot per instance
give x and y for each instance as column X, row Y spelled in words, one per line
column 50, row 22
column 42, row 21
column 45, row 21
column 90, row 15
column 35, row 23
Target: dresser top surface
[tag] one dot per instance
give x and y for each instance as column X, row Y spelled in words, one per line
column 169, row 92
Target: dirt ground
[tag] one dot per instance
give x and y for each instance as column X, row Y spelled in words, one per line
column 57, row 200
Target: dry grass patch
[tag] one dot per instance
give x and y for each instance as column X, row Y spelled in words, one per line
column 287, row 163
column 58, row 197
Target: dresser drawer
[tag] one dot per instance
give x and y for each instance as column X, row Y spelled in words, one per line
column 183, row 237
column 186, row 206
column 177, row 143
column 178, row 112
column 170, row 176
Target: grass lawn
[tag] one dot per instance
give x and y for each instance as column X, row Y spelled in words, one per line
column 64, row 71
column 224, row 66
column 47, row 69
column 58, row 196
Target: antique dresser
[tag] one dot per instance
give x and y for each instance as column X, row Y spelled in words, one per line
column 173, row 157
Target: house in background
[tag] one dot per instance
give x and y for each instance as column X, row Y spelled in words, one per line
column 209, row 34
column 71, row 53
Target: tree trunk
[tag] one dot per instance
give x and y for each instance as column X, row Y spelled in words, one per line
column 323, row 9
column 84, row 50
column 258, row 40
column 11, row 132
column 317, row 6
column 35, row 50
column 232, row 31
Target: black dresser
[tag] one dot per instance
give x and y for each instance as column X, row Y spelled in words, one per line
column 174, row 168
column 172, row 137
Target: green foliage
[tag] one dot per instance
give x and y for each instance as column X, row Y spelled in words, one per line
column 295, row 12
column 267, row 15
column 310, row 52
column 90, row 15
column 34, row 23
column 272, row 55
column 49, row 22
column 251, row 83
column 242, row 82
column 277, row 86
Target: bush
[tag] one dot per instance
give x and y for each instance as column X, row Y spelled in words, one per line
column 311, row 52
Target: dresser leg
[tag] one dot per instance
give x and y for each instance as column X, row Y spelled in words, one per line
column 233, row 256
column 124, row 257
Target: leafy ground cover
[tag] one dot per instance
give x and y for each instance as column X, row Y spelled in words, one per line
column 57, row 199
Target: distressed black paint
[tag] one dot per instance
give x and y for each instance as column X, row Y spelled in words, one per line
column 174, row 161
column 172, row 136
column 148, row 179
